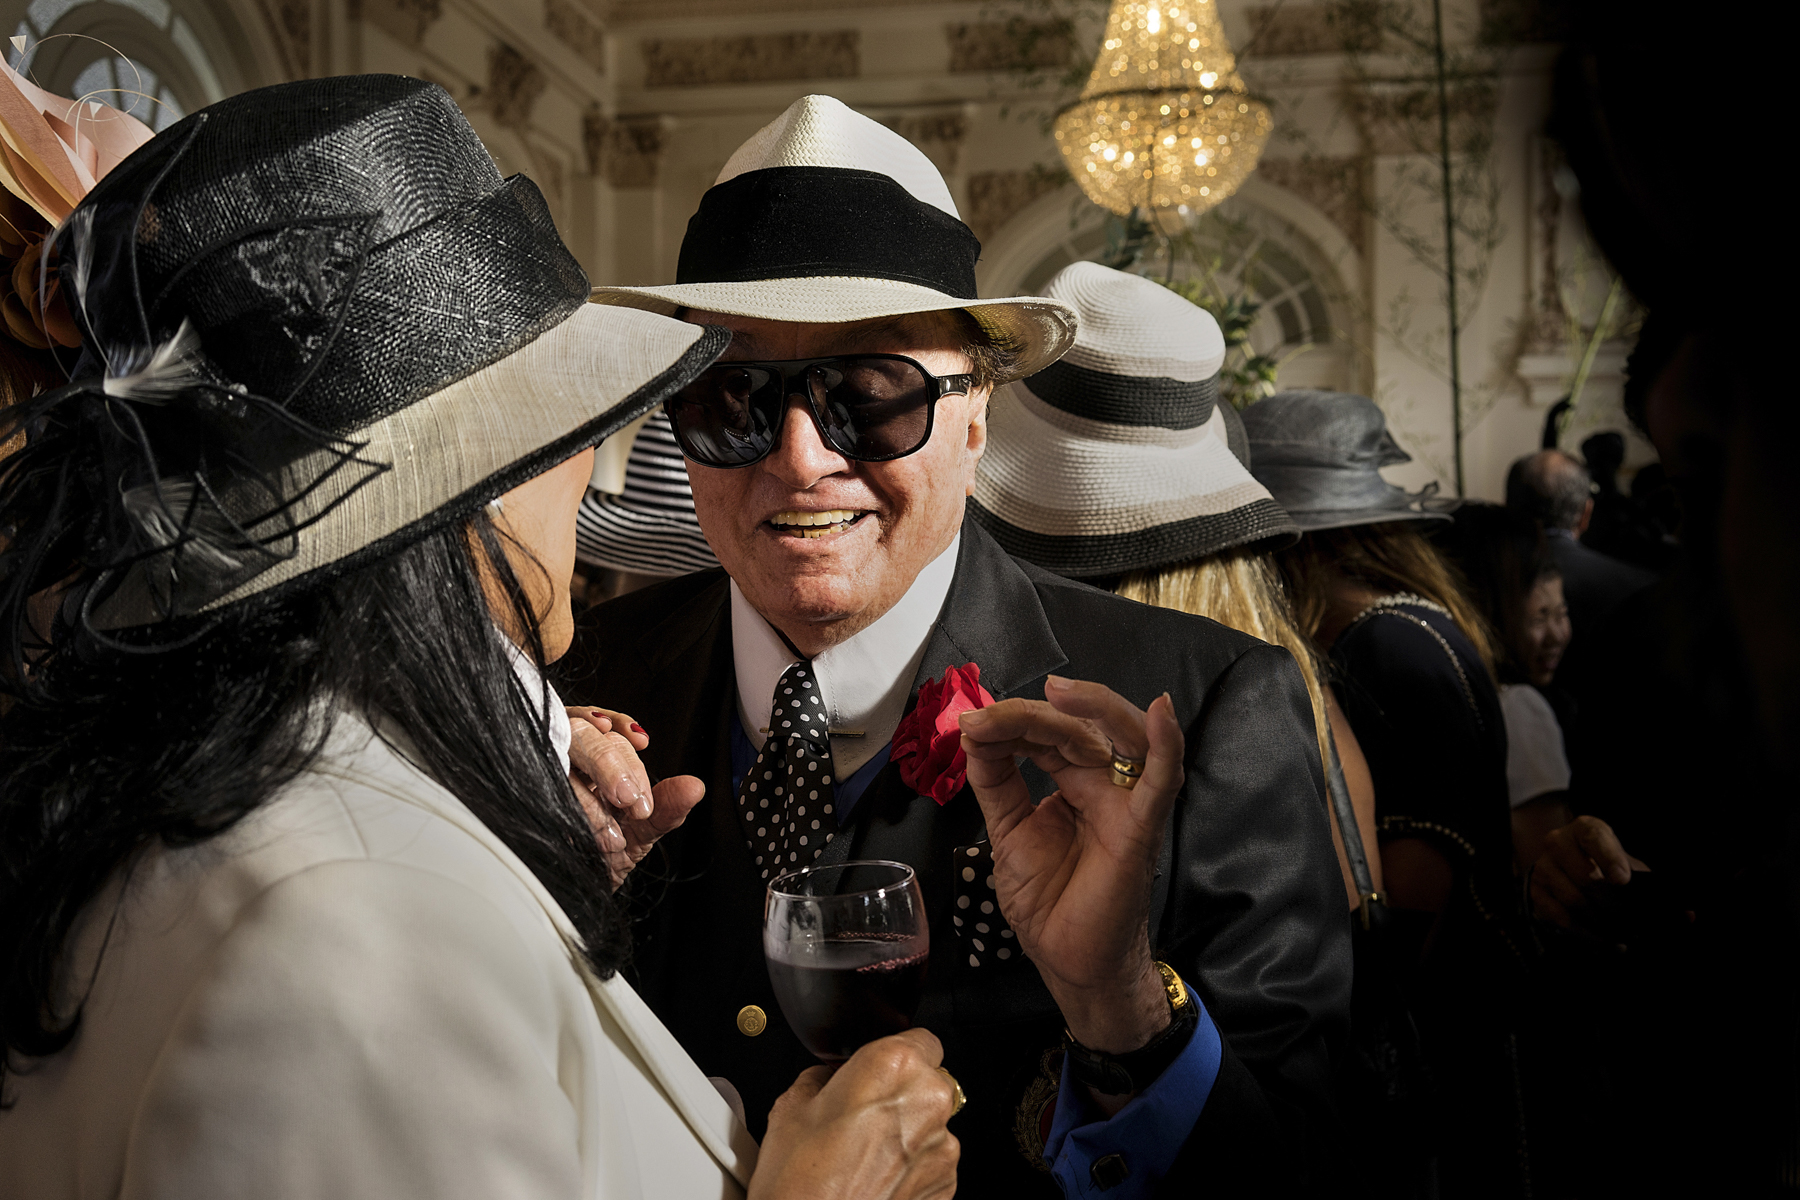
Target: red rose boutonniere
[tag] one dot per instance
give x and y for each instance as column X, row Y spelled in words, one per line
column 928, row 744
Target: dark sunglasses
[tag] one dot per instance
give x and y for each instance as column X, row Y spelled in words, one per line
column 868, row 407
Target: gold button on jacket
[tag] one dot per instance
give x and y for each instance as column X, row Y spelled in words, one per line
column 751, row 1020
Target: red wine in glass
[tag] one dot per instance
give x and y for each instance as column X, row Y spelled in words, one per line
column 847, row 948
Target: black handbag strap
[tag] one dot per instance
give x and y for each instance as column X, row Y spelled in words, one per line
column 1354, row 851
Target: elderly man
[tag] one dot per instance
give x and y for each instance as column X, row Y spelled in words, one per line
column 830, row 454
column 1555, row 488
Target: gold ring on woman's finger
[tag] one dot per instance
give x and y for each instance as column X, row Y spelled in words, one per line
column 1126, row 771
column 958, row 1099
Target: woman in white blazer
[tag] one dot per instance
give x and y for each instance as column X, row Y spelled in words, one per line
column 296, row 900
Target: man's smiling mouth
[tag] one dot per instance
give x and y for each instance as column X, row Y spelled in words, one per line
column 816, row 524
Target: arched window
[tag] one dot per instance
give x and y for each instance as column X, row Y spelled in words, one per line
column 141, row 56
column 1245, row 248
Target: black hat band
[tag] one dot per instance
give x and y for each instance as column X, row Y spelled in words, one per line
column 1138, row 400
column 346, row 333
column 799, row 222
column 1095, row 555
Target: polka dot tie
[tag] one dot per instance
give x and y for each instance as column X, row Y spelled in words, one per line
column 981, row 928
column 785, row 800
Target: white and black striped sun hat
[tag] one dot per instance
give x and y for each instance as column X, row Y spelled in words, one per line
column 651, row 528
column 825, row 216
column 1117, row 458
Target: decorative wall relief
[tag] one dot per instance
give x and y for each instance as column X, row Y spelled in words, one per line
column 626, row 152
column 405, row 20
column 995, row 197
column 757, row 58
column 939, row 134
column 513, row 87
column 292, row 23
column 1014, row 45
column 1284, row 30
column 1337, row 187
column 575, row 29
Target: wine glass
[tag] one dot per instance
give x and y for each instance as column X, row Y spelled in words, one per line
column 847, row 947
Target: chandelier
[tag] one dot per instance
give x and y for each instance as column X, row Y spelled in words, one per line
column 1164, row 123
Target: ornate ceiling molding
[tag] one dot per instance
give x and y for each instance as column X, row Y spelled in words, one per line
column 753, row 58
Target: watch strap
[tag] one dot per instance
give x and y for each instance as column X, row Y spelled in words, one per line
column 1124, row 1074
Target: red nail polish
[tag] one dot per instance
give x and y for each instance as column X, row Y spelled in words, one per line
column 636, row 728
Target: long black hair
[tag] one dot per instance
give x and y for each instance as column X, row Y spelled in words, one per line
column 105, row 753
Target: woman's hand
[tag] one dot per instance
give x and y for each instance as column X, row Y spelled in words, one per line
column 628, row 813
column 1073, row 873
column 871, row 1130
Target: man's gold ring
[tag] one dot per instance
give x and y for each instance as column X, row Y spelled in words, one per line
column 959, row 1099
column 1126, row 771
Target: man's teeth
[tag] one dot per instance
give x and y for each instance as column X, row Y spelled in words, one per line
column 815, row 524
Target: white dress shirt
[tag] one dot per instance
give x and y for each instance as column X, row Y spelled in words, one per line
column 865, row 680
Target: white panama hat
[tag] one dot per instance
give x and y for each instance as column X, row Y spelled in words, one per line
column 1118, row 458
column 825, row 216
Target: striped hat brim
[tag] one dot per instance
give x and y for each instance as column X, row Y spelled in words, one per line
column 651, row 528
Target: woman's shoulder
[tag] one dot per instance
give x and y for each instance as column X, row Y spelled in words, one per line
column 362, row 800
column 1405, row 630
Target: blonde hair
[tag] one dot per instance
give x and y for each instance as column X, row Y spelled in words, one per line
column 1390, row 557
column 1242, row 589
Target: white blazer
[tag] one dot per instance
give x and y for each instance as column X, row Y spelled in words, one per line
column 358, row 992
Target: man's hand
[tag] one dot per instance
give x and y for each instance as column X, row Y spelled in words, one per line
column 1580, row 863
column 1073, row 873
column 872, row 1130
column 628, row 813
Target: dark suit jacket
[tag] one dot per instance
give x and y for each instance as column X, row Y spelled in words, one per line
column 1247, row 904
column 1593, row 583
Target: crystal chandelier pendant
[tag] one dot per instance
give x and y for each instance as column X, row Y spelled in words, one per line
column 1164, row 124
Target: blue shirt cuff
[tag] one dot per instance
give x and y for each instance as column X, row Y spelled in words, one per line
column 1148, row 1132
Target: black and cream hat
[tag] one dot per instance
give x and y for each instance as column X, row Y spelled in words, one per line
column 1118, row 458
column 316, row 326
column 825, row 216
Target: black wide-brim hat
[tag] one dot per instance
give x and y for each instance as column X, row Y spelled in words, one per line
column 825, row 216
column 1320, row 454
column 325, row 326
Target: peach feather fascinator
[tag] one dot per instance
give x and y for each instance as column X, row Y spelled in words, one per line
column 52, row 152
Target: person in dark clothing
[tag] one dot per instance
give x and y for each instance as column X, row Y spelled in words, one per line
column 1554, row 488
column 1503, row 556
column 1620, row 528
column 1413, row 665
column 830, row 458
column 1557, row 490
column 1699, row 718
